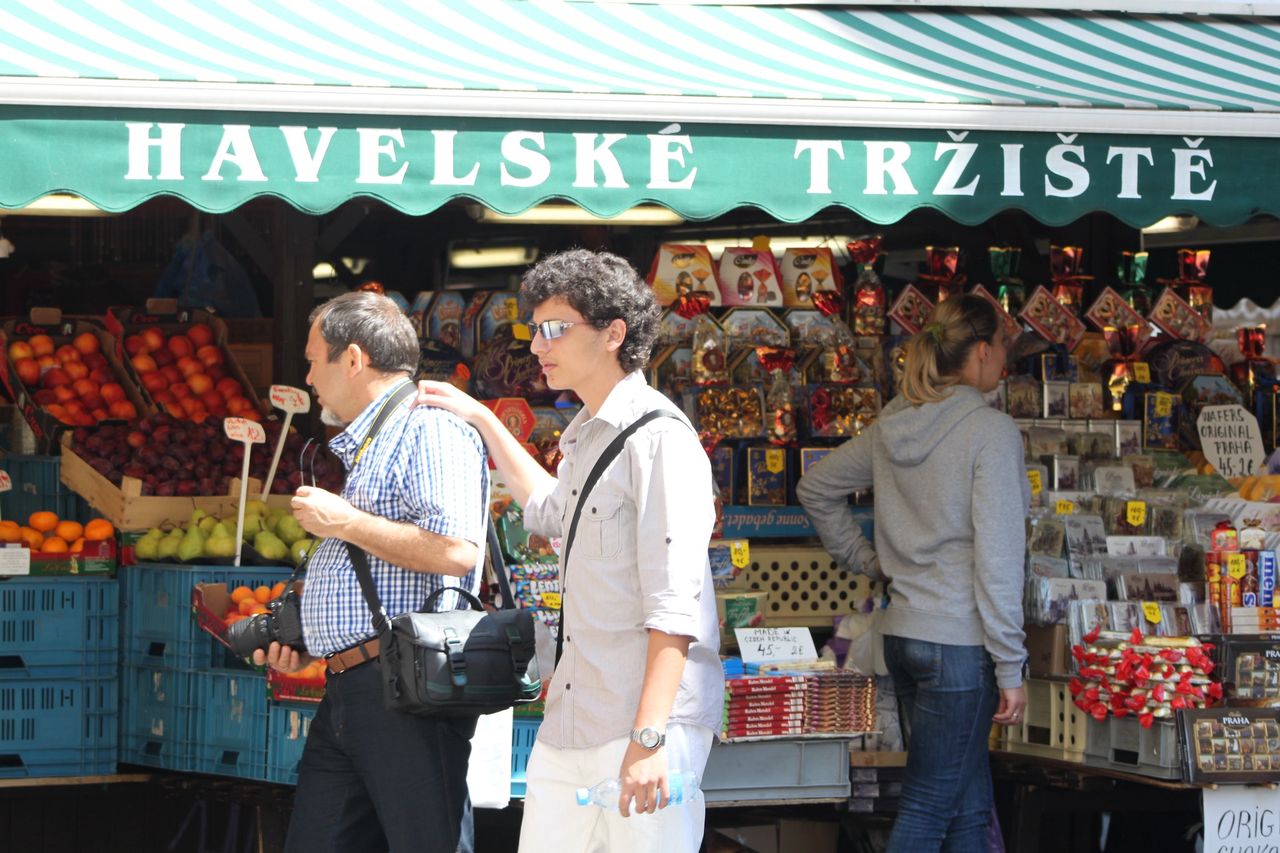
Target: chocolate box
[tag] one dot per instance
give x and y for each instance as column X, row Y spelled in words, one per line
column 1231, row 744
column 805, row 271
column 749, row 277
column 766, row 476
column 679, row 269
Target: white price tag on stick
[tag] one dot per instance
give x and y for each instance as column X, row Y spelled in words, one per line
column 292, row 401
column 249, row 433
column 775, row 645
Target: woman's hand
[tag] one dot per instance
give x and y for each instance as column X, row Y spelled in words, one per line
column 1013, row 703
column 442, row 395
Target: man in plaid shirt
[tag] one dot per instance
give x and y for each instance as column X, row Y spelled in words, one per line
column 415, row 501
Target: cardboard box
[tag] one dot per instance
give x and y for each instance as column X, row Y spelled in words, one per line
column 786, row 835
column 678, row 270
column 1047, row 652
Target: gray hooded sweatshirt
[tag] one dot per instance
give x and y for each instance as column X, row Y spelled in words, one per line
column 951, row 496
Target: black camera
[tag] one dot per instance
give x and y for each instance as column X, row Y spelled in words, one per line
column 282, row 623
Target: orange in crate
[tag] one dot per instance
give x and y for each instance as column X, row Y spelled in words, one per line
column 55, row 545
column 99, row 530
column 10, row 531
column 43, row 521
column 69, row 531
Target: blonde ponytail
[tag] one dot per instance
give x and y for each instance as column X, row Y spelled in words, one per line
column 936, row 355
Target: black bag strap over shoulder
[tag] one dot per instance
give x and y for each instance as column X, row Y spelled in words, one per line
column 610, row 453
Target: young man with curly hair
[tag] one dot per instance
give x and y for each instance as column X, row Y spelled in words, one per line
column 639, row 689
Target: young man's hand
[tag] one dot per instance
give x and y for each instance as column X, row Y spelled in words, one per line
column 644, row 778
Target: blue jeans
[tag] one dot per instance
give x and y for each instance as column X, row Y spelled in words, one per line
column 374, row 780
column 946, row 698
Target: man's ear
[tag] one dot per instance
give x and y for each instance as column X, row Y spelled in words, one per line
column 354, row 358
column 617, row 334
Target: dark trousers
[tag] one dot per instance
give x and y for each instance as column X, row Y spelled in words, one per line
column 373, row 780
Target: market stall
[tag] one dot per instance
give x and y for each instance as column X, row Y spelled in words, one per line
column 778, row 356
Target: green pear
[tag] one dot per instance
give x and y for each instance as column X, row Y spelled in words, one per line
column 197, row 515
column 273, row 519
column 269, row 545
column 207, row 524
column 255, row 506
column 289, row 530
column 191, row 546
column 168, row 545
column 148, row 547
column 300, row 549
column 253, row 525
column 221, row 542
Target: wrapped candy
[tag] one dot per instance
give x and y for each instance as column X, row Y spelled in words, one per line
column 1010, row 291
column 839, row 361
column 730, row 412
column 1068, row 283
column 779, row 399
column 869, row 304
column 1148, row 677
column 838, row 411
column 943, row 279
column 1132, row 273
column 1121, row 370
column 710, row 365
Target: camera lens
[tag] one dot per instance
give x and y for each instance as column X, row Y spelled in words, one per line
column 249, row 634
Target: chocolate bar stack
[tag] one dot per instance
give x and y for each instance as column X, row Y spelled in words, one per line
column 763, row 706
column 840, row 702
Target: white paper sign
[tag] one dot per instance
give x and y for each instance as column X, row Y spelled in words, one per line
column 6, row 484
column 14, row 560
column 243, row 429
column 290, row 399
column 775, row 645
column 1239, row 818
column 1231, row 440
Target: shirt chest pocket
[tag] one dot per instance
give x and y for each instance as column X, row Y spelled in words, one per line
column 600, row 531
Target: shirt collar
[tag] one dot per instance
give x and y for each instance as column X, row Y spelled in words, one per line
column 345, row 443
column 618, row 408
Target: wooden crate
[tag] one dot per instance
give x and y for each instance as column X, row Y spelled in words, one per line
column 804, row 585
column 1052, row 726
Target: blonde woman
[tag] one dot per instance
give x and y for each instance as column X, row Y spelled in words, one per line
column 951, row 493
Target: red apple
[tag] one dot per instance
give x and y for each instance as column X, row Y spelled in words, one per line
column 163, row 357
column 41, row 345
column 188, row 366
column 66, row 353
column 27, row 369
column 136, row 439
column 93, row 401
column 214, row 402
column 63, row 393
column 154, row 382
column 180, row 345
column 113, row 392
column 54, row 377
column 143, row 363
column 228, row 387
column 236, row 405
column 96, row 361
column 209, row 355
column 162, row 397
column 84, row 387
column 44, row 397
column 76, row 369
column 180, row 390
column 200, row 334
column 86, row 343
column 123, row 409
column 152, row 339
column 101, row 375
column 19, row 350
column 171, row 373
column 133, row 345
column 199, row 383
column 216, row 372
column 47, row 360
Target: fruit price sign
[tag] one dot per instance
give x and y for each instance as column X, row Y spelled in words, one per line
column 292, row 401
column 775, row 645
column 251, row 433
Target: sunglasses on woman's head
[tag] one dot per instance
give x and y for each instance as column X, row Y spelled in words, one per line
column 550, row 329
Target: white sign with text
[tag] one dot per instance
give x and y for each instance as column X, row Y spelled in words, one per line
column 775, row 645
column 1231, row 440
column 1240, row 818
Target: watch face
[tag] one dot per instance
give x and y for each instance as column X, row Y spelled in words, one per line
column 649, row 738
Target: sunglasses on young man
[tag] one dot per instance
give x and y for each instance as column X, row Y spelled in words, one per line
column 550, row 329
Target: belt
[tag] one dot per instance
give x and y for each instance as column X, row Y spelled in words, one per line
column 354, row 656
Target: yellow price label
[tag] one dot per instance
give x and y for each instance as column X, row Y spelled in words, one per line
column 1135, row 512
column 1142, row 372
column 1164, row 404
column 775, row 461
column 1151, row 610
column 1037, row 482
column 513, row 309
column 740, row 553
column 1237, row 566
column 551, row 599
column 1065, row 507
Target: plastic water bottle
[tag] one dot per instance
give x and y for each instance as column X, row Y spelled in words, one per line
column 683, row 785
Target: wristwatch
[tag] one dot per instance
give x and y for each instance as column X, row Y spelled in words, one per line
column 649, row 738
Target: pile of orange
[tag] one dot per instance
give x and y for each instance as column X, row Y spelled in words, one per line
column 246, row 601
column 45, row 533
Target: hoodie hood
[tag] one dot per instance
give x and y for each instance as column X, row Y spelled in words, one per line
column 910, row 433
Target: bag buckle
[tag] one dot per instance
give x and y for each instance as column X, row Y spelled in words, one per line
column 457, row 659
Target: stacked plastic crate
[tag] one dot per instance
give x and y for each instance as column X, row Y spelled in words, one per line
column 188, row 704
column 59, row 695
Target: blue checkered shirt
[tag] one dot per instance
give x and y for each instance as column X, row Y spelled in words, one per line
column 426, row 467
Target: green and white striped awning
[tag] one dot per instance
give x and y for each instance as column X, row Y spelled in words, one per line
column 786, row 108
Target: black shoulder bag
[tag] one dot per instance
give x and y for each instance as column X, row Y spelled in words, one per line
column 610, row 453
column 452, row 663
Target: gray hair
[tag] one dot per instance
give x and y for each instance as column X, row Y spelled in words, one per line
column 375, row 324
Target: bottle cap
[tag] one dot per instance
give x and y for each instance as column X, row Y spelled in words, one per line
column 583, row 795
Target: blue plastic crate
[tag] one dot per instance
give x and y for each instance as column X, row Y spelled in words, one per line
column 37, row 485
column 231, row 724
column 157, row 717
column 159, row 629
column 59, row 628
column 58, row 727
column 287, row 729
column 524, row 732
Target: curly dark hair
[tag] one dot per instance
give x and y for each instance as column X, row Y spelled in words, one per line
column 602, row 288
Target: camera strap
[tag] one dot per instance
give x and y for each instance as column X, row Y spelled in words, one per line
column 610, row 453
